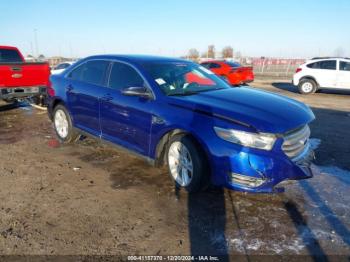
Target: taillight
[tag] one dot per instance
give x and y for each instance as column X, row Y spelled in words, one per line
column 50, row 91
column 298, row 70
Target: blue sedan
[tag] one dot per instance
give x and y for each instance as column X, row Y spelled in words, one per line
column 177, row 113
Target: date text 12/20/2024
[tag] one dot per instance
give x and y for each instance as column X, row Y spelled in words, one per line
column 173, row 258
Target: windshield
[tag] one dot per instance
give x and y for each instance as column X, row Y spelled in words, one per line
column 183, row 78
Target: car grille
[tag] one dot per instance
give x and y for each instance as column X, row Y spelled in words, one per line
column 296, row 142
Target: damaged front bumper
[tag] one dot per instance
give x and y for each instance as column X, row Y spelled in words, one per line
column 260, row 172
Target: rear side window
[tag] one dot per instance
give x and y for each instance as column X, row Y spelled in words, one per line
column 10, row 56
column 77, row 72
column 233, row 64
column 92, row 72
column 327, row 65
column 123, row 76
column 206, row 65
column 344, row 66
column 314, row 65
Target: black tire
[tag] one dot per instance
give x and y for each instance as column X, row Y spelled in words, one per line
column 72, row 134
column 200, row 176
column 307, row 86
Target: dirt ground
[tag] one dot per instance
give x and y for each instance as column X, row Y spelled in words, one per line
column 91, row 199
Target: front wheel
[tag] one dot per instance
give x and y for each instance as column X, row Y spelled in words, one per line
column 187, row 164
column 63, row 125
column 307, row 86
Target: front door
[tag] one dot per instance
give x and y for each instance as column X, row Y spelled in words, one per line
column 126, row 120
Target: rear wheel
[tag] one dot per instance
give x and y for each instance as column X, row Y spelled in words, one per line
column 63, row 125
column 187, row 164
column 307, row 86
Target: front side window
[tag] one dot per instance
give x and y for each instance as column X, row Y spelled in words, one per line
column 92, row 72
column 344, row 66
column 183, row 78
column 123, row 76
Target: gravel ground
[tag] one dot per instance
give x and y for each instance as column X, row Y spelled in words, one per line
column 92, row 199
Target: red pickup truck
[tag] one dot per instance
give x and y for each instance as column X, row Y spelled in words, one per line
column 20, row 79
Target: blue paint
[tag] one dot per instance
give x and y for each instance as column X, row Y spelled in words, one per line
column 129, row 121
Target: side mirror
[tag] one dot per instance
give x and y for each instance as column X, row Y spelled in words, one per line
column 137, row 91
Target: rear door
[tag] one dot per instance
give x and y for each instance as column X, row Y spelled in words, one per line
column 343, row 79
column 126, row 120
column 85, row 86
column 325, row 72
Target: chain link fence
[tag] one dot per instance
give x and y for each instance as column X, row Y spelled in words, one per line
column 273, row 67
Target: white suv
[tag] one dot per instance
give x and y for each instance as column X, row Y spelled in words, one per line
column 319, row 73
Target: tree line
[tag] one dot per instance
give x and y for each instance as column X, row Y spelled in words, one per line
column 226, row 52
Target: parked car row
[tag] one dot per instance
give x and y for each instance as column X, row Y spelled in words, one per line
column 181, row 114
column 20, row 79
column 177, row 113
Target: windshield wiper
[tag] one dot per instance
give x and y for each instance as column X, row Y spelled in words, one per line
column 184, row 93
column 188, row 93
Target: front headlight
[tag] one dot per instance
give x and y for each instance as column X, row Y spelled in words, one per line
column 256, row 140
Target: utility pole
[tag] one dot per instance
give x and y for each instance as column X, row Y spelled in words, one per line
column 36, row 43
column 71, row 50
column 31, row 48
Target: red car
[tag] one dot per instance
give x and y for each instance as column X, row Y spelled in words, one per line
column 20, row 79
column 233, row 72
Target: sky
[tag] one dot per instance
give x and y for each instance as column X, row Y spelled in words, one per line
column 288, row 28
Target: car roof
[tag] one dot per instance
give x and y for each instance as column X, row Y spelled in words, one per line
column 137, row 58
column 329, row 57
column 318, row 59
column 8, row 47
column 215, row 61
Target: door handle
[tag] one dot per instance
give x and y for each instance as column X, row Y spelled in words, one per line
column 107, row 97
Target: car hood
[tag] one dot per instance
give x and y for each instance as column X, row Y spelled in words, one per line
column 265, row 111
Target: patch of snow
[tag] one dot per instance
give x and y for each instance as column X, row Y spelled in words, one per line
column 296, row 245
column 238, row 244
column 335, row 171
column 277, row 247
column 255, row 244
